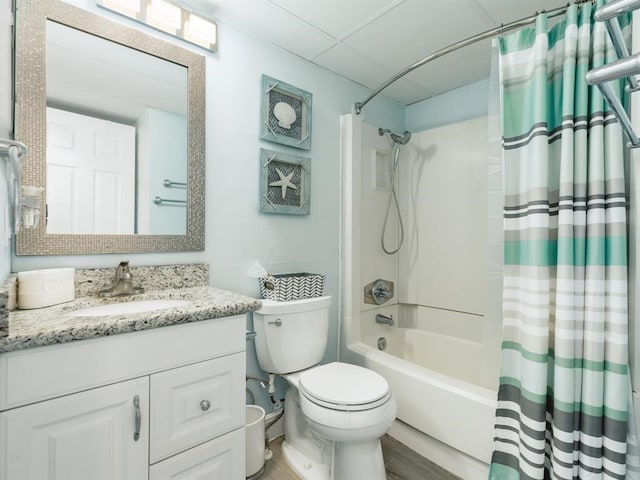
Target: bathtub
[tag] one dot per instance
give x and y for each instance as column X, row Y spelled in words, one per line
column 442, row 385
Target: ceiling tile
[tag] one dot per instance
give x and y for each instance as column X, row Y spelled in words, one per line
column 336, row 17
column 265, row 21
column 505, row 12
column 368, row 41
column 353, row 66
column 416, row 28
column 407, row 92
column 456, row 69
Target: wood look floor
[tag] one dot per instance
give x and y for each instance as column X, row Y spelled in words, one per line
column 401, row 463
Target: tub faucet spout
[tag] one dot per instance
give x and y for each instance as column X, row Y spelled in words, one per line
column 383, row 319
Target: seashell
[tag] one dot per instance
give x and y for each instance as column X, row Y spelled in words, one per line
column 285, row 114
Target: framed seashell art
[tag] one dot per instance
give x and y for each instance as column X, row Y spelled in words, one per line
column 286, row 114
column 285, row 183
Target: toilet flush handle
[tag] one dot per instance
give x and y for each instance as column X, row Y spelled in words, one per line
column 277, row 322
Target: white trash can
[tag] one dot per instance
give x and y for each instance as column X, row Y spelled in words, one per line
column 254, row 441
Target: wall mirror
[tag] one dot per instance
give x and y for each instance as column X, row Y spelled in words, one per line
column 115, row 125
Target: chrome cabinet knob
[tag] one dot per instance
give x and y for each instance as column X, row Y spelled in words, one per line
column 205, row 405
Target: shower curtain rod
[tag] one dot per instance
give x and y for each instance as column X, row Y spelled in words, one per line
column 461, row 44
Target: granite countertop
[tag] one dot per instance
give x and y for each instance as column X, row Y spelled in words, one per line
column 50, row 326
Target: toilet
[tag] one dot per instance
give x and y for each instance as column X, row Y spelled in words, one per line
column 334, row 414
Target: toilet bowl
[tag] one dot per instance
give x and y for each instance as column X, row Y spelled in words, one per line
column 352, row 407
column 334, row 414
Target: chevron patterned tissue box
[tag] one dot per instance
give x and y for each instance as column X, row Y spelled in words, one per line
column 284, row 287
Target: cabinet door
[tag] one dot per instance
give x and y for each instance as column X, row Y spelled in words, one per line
column 193, row 404
column 85, row 436
column 219, row 459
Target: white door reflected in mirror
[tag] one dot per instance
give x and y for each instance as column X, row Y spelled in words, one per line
column 90, row 174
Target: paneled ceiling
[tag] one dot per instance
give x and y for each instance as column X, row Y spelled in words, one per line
column 369, row 41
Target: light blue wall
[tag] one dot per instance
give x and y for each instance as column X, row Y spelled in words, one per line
column 236, row 233
column 166, row 145
column 463, row 103
column 5, row 127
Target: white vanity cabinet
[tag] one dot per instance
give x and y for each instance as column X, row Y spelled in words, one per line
column 88, row 435
column 162, row 403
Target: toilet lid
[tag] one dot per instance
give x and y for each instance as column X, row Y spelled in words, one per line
column 343, row 386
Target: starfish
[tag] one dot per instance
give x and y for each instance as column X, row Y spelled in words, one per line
column 284, row 182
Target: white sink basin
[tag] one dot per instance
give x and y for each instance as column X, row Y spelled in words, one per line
column 126, row 308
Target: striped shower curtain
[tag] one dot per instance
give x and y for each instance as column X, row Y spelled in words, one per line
column 564, row 396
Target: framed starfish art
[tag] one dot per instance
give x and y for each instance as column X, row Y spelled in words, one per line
column 286, row 114
column 285, row 183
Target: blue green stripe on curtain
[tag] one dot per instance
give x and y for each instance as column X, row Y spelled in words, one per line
column 563, row 401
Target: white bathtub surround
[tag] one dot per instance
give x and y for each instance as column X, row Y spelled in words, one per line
column 443, row 190
column 458, row 358
column 442, row 355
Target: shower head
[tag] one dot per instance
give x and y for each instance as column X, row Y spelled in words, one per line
column 400, row 139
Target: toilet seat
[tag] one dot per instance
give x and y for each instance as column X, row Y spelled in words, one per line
column 344, row 387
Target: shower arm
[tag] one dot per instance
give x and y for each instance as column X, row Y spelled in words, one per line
column 358, row 106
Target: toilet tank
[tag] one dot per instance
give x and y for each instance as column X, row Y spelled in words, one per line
column 291, row 336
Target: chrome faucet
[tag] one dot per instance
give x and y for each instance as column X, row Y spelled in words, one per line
column 122, row 283
column 385, row 320
column 378, row 292
column 382, row 291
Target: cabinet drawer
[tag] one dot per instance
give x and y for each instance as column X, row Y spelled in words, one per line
column 35, row 374
column 219, row 459
column 193, row 404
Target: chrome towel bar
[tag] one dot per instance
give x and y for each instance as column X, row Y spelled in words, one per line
column 622, row 68
column 615, row 8
column 627, row 67
column 171, row 184
column 169, row 201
